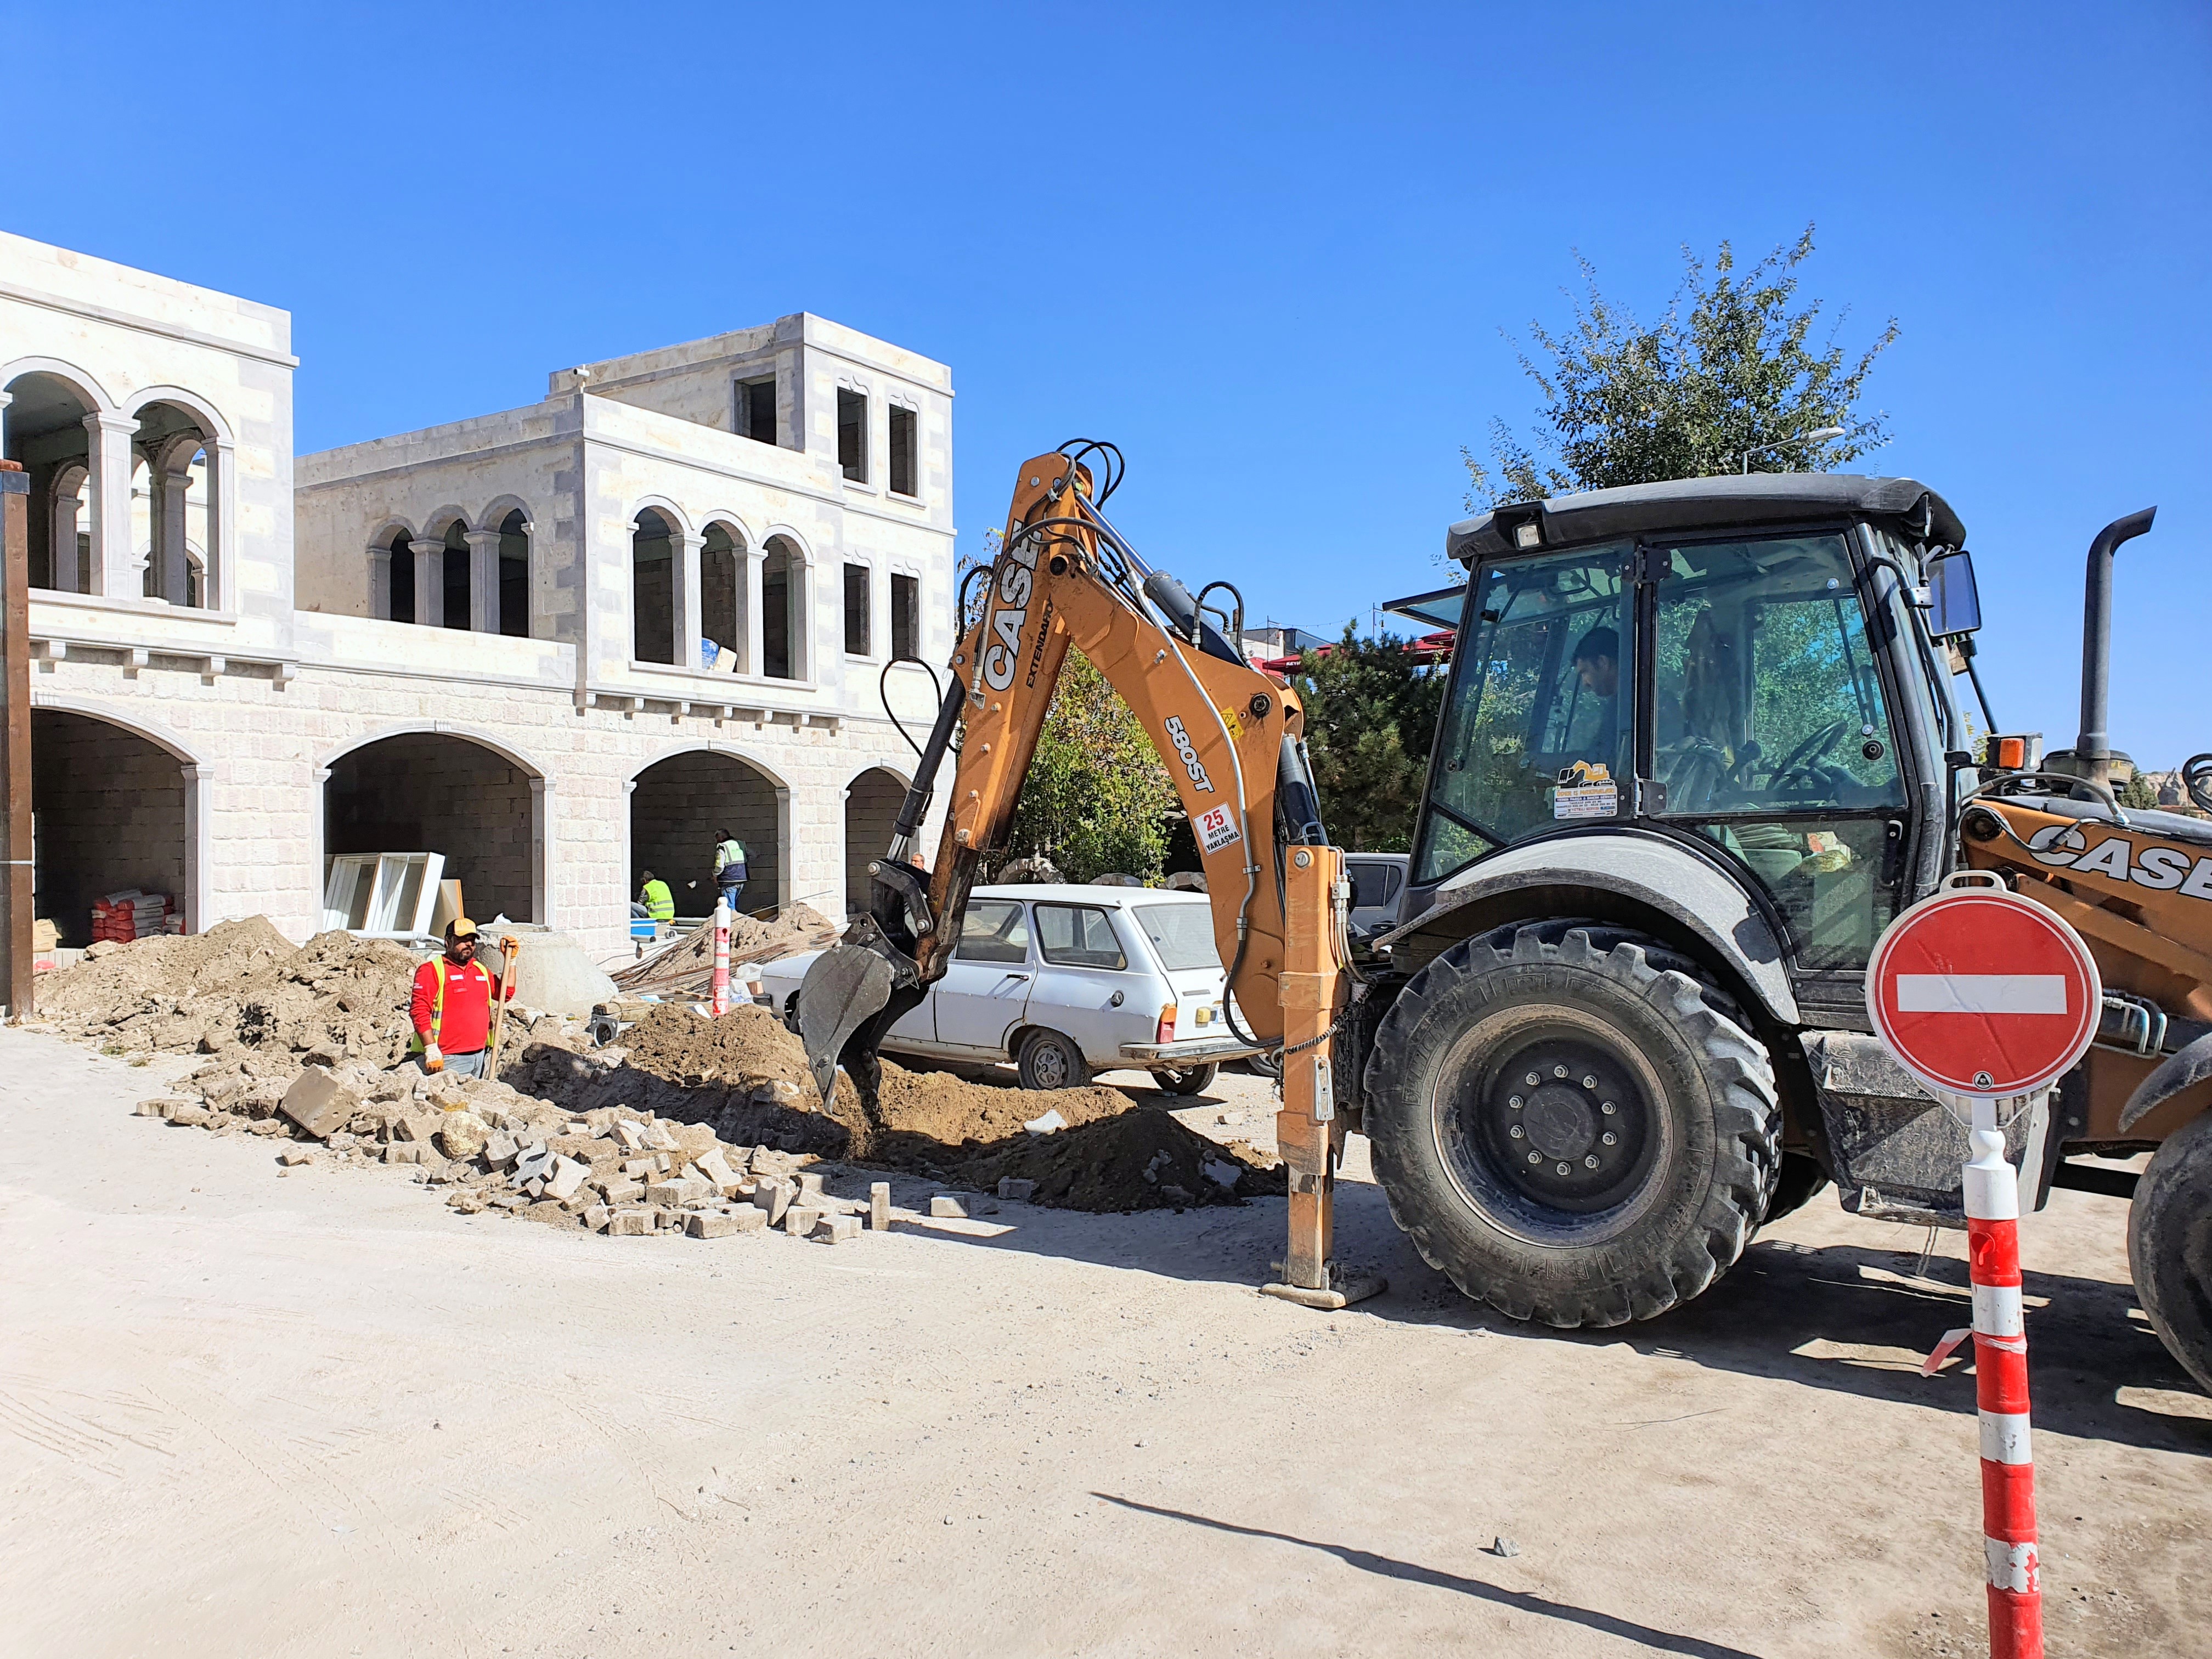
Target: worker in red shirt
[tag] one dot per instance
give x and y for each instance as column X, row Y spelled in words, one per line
column 451, row 1006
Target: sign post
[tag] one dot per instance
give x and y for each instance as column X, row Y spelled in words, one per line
column 1986, row 997
column 721, row 957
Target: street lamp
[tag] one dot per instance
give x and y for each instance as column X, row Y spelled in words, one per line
column 1814, row 436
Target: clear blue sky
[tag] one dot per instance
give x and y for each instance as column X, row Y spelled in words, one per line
column 1268, row 249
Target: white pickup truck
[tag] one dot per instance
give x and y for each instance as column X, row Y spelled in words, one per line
column 1065, row 981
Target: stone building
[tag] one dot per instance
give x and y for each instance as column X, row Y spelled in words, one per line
column 559, row 644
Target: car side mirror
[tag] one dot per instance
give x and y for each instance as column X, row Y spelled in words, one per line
column 1954, row 605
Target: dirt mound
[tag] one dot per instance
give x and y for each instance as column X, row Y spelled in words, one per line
column 1140, row 1159
column 241, row 986
column 747, row 1075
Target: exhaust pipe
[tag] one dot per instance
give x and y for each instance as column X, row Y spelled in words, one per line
column 2092, row 749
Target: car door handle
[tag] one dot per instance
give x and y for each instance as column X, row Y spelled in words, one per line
column 1017, row 976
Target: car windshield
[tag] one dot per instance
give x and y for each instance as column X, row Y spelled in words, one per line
column 1183, row 935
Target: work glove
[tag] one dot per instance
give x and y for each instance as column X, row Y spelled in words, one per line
column 434, row 1059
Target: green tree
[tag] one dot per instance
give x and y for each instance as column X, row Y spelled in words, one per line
column 1370, row 716
column 1096, row 799
column 1731, row 365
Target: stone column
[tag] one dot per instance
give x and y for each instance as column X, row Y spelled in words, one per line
column 380, row 582
column 541, row 863
column 484, row 581
column 61, row 545
column 429, row 582
column 115, row 572
column 199, row 836
column 755, row 653
column 170, row 489
column 217, row 577
column 688, row 618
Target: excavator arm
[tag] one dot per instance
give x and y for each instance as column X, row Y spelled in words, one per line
column 1229, row 735
column 1227, row 732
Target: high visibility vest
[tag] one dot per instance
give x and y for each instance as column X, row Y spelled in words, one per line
column 660, row 902
column 437, row 1009
column 730, row 862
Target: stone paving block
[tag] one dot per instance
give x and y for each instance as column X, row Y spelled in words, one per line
column 809, row 1184
column 1011, row 1186
column 500, row 1150
column 748, row 1219
column 774, row 1198
column 417, row 1126
column 712, row 1223
column 944, row 1207
column 319, row 1102
column 291, row 1156
column 658, row 1137
column 566, row 1178
column 630, row 1224
column 622, row 1192
column 799, row 1219
column 837, row 1229
column 597, row 1217
column 402, row 1152
column 628, row 1135
column 155, row 1108
column 879, row 1206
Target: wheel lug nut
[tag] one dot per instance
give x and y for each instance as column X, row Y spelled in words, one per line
column 1533, row 1080
column 1536, row 1157
column 1608, row 1108
column 1590, row 1163
column 1609, row 1136
column 1558, row 1071
column 1590, row 1080
column 1514, row 1132
column 1516, row 1102
column 1563, row 1169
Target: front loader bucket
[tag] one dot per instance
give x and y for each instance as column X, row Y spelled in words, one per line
column 847, row 986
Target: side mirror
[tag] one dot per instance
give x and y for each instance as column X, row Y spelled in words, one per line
column 1954, row 605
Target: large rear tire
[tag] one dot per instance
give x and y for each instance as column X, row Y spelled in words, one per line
column 2170, row 1245
column 1566, row 1124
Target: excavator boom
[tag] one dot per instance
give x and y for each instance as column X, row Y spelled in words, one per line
column 1227, row 732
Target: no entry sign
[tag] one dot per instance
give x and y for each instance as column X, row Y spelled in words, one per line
column 1979, row 992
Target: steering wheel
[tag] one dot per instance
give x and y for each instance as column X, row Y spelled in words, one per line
column 1814, row 748
column 2196, row 779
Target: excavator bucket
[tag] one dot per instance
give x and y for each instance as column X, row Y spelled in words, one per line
column 846, row 988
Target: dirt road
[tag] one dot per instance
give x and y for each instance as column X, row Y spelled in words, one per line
column 319, row 1414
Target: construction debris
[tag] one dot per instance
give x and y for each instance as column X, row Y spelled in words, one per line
column 685, row 966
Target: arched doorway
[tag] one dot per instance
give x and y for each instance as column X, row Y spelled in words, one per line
column 679, row 808
column 436, row 792
column 872, row 803
column 46, row 433
column 107, row 813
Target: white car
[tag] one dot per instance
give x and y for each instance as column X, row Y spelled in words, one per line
column 1067, row 980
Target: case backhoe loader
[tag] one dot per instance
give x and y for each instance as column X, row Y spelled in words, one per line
column 1699, row 746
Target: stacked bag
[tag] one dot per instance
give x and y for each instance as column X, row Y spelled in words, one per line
column 132, row 915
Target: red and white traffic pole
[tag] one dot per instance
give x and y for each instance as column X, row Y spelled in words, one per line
column 1992, row 1202
column 722, row 957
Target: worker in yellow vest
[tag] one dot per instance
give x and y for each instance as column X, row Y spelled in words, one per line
column 654, row 900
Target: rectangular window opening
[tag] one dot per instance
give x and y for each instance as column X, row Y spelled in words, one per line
column 757, row 410
column 906, row 451
column 856, row 610
column 906, row 616
column 853, row 434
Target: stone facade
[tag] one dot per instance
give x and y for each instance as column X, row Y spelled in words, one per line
column 761, row 489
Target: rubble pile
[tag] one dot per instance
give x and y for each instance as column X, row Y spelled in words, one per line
column 613, row 1170
column 686, row 965
column 243, row 993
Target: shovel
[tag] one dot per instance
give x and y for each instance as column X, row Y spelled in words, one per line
column 509, row 948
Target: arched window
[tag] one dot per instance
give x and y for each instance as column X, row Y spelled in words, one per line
column 173, row 505
column 721, row 591
column 654, row 548
column 401, row 606
column 784, row 639
column 514, row 575
column 46, row 419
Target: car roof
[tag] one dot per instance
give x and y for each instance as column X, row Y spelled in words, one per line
column 1086, row 892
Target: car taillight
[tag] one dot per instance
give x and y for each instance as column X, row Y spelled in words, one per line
column 1165, row 1033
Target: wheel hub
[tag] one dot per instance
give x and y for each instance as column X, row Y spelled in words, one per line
column 1564, row 1122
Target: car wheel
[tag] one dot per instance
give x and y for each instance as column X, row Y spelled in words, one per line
column 1187, row 1080
column 1050, row 1060
column 1269, row 1066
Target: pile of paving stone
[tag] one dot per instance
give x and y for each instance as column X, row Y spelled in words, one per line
column 613, row 1170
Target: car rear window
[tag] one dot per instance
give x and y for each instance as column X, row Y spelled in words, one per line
column 1181, row 934
column 1078, row 936
column 1373, row 884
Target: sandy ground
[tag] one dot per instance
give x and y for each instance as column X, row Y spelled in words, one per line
column 319, row 1415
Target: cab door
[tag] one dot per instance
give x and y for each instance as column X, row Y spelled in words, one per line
column 987, row 984
column 1770, row 738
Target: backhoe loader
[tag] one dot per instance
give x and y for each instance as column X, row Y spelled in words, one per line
column 1700, row 744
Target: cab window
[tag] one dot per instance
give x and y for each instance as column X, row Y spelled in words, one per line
column 1538, row 726
column 1078, row 936
column 1770, row 731
column 994, row 930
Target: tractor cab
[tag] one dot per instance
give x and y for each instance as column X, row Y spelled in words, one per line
column 1741, row 667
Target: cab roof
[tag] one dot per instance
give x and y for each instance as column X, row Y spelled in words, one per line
column 1680, row 504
